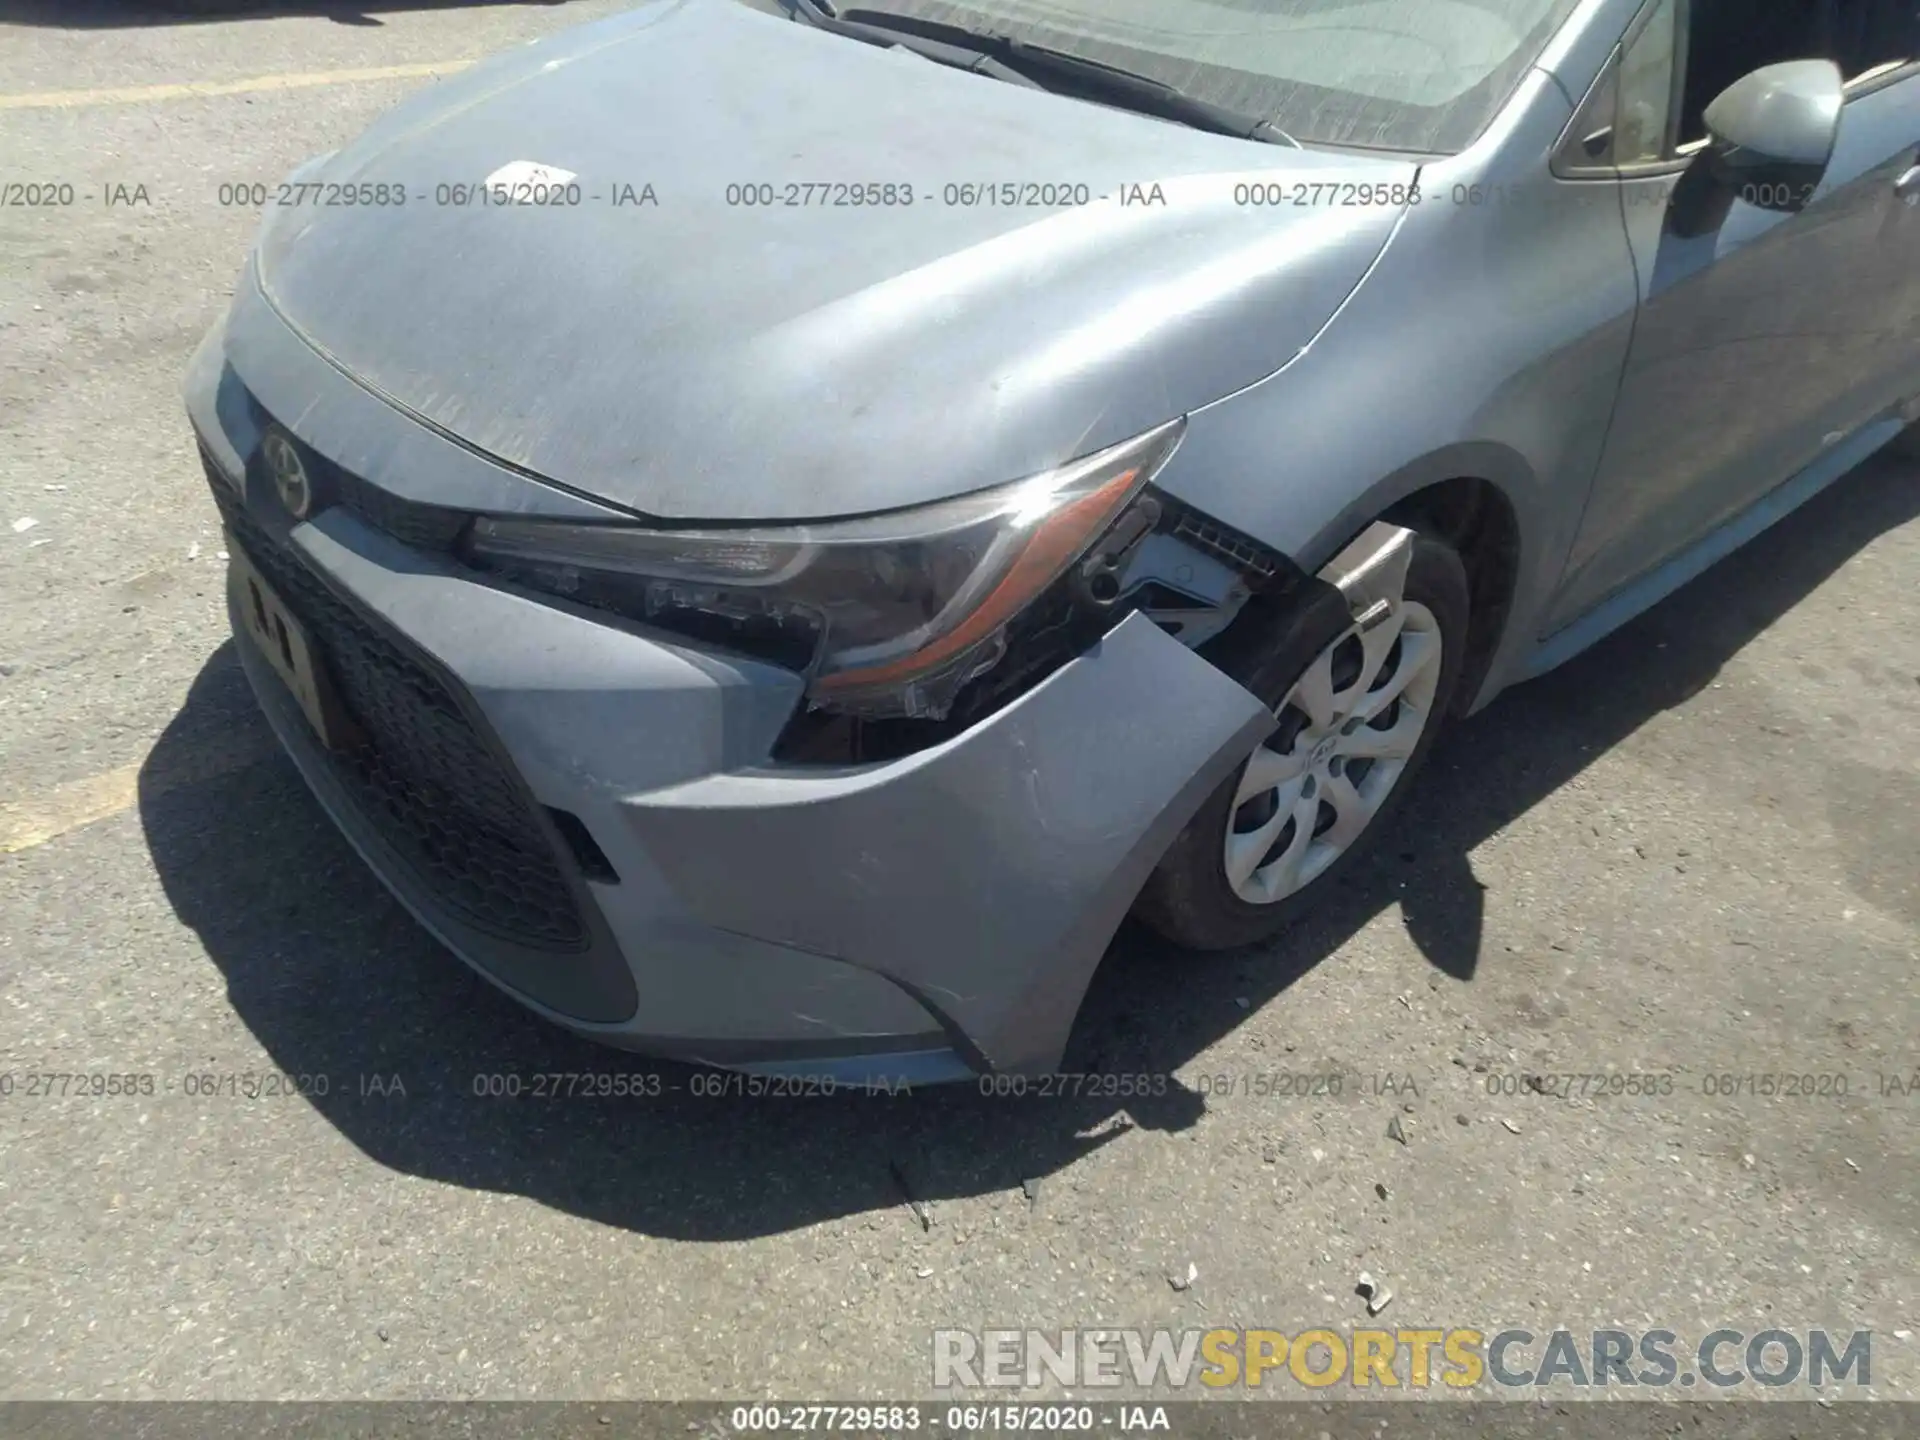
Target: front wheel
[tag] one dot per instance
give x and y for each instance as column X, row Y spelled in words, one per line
column 1357, row 717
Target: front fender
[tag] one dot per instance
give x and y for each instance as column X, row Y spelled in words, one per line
column 1486, row 342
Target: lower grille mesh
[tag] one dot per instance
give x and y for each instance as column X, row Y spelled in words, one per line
column 429, row 783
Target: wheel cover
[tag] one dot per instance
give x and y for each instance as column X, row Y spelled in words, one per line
column 1348, row 729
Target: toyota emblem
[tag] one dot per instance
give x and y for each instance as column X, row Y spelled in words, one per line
column 289, row 473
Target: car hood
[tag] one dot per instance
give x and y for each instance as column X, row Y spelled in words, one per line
column 657, row 343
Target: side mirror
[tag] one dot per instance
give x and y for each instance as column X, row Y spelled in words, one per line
column 1771, row 134
column 1770, row 137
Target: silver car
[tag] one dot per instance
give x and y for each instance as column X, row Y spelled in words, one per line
column 773, row 532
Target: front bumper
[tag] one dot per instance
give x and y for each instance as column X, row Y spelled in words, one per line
column 920, row 919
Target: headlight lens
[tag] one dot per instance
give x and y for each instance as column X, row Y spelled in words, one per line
column 887, row 615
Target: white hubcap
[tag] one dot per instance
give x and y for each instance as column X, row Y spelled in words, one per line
column 1347, row 729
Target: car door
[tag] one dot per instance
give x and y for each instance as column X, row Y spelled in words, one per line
column 1761, row 347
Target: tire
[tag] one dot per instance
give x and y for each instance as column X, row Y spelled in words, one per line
column 1191, row 899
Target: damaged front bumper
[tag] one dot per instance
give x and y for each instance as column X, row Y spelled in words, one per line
column 933, row 916
column 590, row 813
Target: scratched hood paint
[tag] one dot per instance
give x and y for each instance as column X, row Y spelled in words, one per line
column 675, row 354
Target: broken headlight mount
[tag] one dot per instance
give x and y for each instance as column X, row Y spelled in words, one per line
column 912, row 623
column 1191, row 575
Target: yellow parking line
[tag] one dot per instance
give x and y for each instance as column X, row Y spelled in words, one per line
column 192, row 89
column 39, row 818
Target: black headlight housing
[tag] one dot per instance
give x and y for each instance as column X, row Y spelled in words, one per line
column 888, row 616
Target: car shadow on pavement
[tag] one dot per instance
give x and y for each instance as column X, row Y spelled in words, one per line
column 338, row 984
column 133, row 14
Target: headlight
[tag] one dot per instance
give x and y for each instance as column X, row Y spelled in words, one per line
column 887, row 615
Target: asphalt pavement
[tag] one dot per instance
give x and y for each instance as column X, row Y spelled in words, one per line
column 1692, row 854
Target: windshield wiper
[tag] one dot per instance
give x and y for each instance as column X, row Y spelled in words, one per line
column 1030, row 62
column 1144, row 93
column 952, row 45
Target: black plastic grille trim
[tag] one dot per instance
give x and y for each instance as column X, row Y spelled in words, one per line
column 425, row 527
column 429, row 783
column 411, row 522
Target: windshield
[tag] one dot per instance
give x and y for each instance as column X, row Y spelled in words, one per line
column 1415, row 75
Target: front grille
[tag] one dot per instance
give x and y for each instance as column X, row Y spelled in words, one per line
column 411, row 522
column 423, row 776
